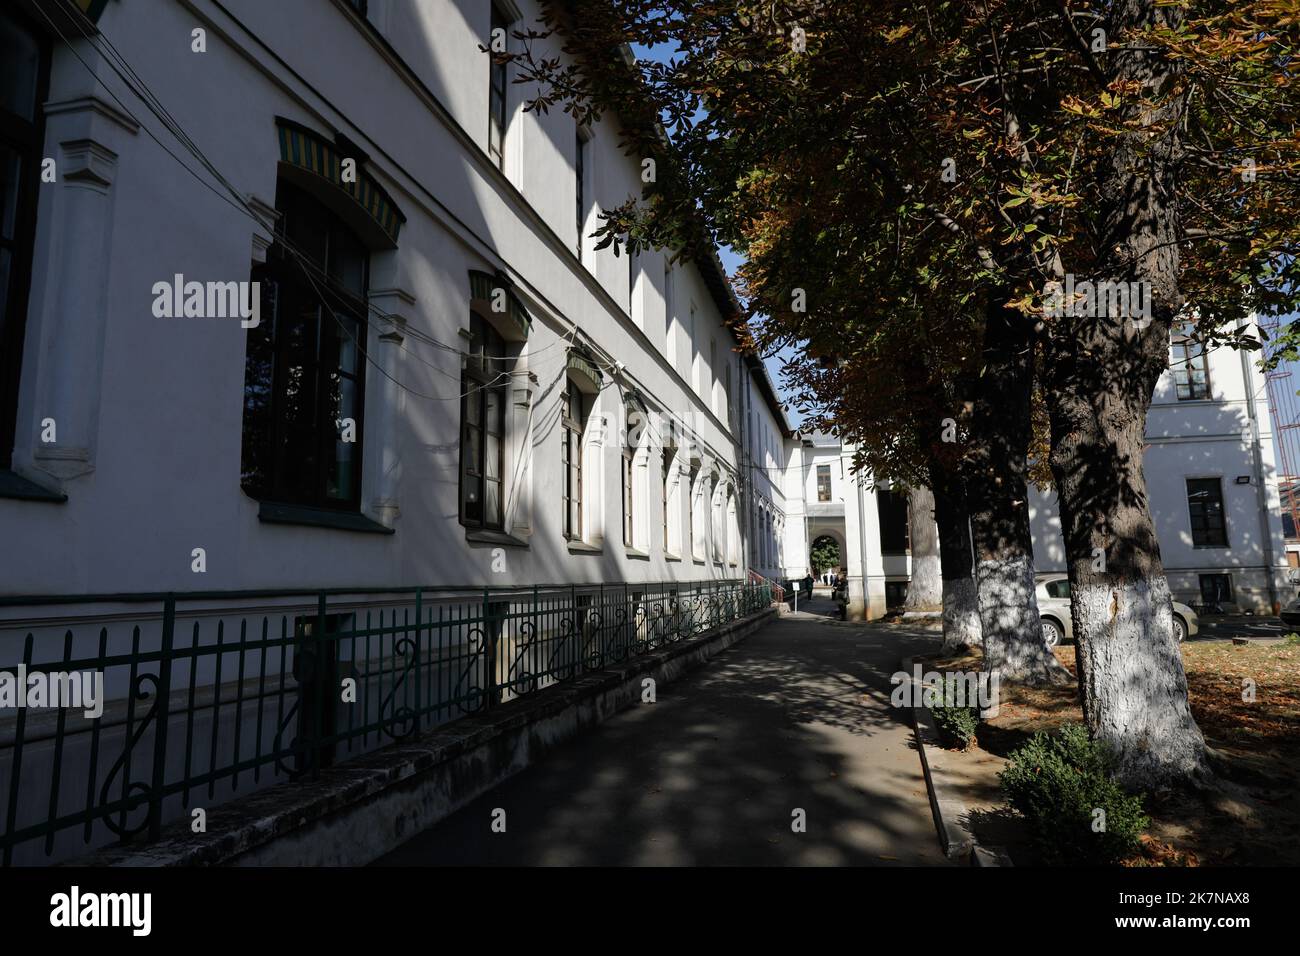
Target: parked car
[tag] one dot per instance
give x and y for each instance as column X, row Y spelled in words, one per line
column 1291, row 614
column 1054, row 612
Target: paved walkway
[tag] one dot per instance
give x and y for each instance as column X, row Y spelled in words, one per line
column 796, row 716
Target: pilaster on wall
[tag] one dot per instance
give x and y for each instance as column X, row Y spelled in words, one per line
column 67, row 316
column 518, row 481
column 385, row 403
column 593, row 479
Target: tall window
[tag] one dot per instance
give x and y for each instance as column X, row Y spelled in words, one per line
column 483, row 427
column 823, row 482
column 497, row 115
column 713, row 375
column 24, row 74
column 1190, row 367
column 670, row 320
column 304, row 374
column 726, row 393
column 571, row 419
column 693, row 502
column 631, row 285
column 627, row 495
column 580, row 185
column 667, row 465
column 891, row 507
column 1205, row 508
column 693, row 352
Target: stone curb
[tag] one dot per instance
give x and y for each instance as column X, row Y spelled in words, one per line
column 956, row 839
column 361, row 809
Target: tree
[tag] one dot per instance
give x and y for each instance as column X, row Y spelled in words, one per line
column 925, row 589
column 825, row 555
column 950, row 162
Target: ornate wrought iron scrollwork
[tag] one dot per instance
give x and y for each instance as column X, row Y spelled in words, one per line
column 566, row 669
column 404, row 717
column 641, row 638
column 593, row 650
column 521, row 679
column 477, row 640
column 120, row 827
column 657, row 625
column 620, row 648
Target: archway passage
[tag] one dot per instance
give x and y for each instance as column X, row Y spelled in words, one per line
column 824, row 558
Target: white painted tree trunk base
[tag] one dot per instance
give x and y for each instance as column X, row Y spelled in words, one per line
column 1134, row 686
column 1013, row 634
column 961, row 615
column 925, row 589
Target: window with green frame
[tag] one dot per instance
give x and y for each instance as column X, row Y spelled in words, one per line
column 304, row 370
column 484, row 382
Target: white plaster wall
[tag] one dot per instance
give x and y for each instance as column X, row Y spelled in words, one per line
column 165, row 475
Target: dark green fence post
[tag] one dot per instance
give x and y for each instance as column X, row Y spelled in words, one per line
column 418, row 710
column 490, row 649
column 160, row 724
column 317, row 691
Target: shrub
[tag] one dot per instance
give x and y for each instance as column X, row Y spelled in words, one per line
column 957, row 725
column 1058, row 783
column 1291, row 640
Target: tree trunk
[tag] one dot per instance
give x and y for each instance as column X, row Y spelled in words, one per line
column 925, row 588
column 961, row 614
column 1004, row 551
column 1102, row 371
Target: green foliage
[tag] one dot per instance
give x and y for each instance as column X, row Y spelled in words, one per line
column 1291, row 640
column 1059, row 783
column 825, row 554
column 957, row 724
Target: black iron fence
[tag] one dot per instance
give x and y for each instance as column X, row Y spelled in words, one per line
column 205, row 696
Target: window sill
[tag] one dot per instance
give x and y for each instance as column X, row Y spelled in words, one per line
column 638, row 554
column 581, row 547
column 488, row 536
column 13, row 485
column 273, row 513
column 669, row 556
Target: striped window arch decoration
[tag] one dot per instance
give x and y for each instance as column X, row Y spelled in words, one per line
column 304, row 149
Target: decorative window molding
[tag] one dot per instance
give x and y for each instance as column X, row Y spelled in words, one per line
column 582, row 367
column 362, row 198
column 494, row 295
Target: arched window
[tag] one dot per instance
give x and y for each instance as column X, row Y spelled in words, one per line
column 629, row 495
column 483, row 427
column 304, row 373
column 696, row 526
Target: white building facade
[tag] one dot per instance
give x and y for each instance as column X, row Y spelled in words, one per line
column 1211, row 474
column 1211, row 478
column 445, row 366
column 311, row 373
column 867, row 523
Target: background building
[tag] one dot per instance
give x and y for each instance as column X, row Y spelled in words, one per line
column 1212, row 478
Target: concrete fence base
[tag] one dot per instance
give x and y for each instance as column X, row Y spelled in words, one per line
column 358, row 811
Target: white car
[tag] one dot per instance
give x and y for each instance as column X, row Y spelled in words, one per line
column 1054, row 612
